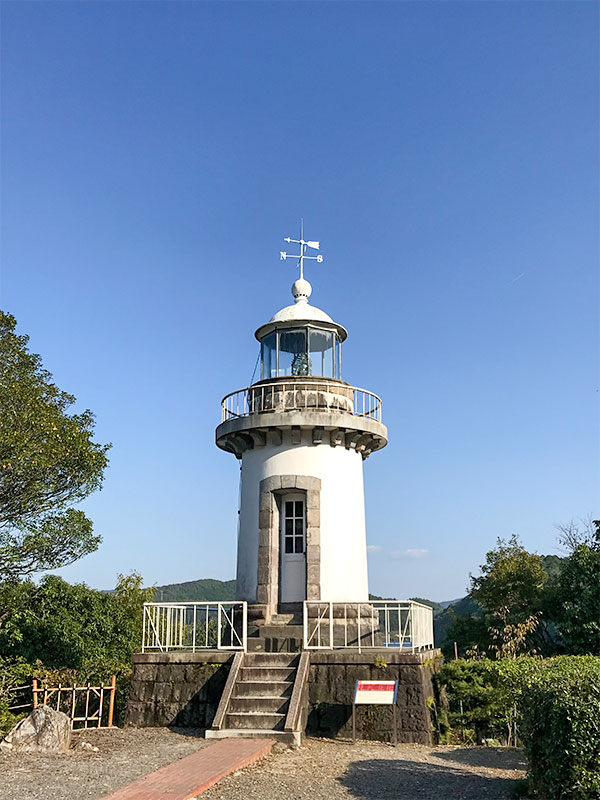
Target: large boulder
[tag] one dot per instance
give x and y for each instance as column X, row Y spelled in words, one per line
column 43, row 731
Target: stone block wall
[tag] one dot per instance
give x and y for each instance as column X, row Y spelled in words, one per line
column 332, row 680
column 184, row 689
column 181, row 689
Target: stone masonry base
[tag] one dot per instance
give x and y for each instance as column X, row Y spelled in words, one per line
column 184, row 689
column 180, row 689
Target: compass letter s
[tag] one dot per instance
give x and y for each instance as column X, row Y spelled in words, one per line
column 319, row 259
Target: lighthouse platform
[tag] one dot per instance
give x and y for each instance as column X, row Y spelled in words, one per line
column 207, row 665
column 284, row 696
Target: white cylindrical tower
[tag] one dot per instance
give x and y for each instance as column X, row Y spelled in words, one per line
column 302, row 434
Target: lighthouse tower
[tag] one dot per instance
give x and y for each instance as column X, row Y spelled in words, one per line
column 302, row 434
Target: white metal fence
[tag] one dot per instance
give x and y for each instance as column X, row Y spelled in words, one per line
column 301, row 395
column 405, row 625
column 194, row 626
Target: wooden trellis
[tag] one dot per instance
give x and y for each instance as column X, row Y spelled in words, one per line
column 96, row 702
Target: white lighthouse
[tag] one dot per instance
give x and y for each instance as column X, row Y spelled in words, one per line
column 302, row 434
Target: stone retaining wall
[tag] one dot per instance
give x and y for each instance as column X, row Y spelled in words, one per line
column 181, row 689
column 332, row 680
column 184, row 689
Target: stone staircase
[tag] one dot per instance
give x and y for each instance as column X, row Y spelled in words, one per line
column 284, row 634
column 265, row 695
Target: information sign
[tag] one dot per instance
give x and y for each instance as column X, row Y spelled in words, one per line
column 374, row 693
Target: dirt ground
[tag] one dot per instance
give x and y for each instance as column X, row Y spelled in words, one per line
column 337, row 770
column 124, row 754
column 321, row 770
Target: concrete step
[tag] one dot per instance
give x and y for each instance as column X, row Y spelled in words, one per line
column 281, row 631
column 266, row 705
column 266, row 673
column 286, row 737
column 271, row 660
column 255, row 720
column 271, row 645
column 264, row 688
column 294, row 618
column 276, row 639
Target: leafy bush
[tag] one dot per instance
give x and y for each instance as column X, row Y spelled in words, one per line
column 70, row 625
column 63, row 633
column 560, row 725
column 11, row 674
column 573, row 597
column 482, row 695
column 553, row 704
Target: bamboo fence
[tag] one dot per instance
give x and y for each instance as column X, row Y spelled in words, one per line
column 87, row 705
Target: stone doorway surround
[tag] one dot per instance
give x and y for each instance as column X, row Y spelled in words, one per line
column 272, row 490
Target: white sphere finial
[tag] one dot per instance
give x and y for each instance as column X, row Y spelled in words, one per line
column 301, row 290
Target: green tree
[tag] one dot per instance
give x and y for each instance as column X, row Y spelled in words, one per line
column 573, row 601
column 72, row 626
column 512, row 579
column 508, row 596
column 48, row 462
column 63, row 633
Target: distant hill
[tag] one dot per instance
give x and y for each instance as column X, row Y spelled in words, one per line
column 203, row 589
column 437, row 607
column 552, row 565
column 464, row 607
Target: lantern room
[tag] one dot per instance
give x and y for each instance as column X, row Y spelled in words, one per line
column 301, row 341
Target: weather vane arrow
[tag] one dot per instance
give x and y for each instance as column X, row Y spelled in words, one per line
column 301, row 256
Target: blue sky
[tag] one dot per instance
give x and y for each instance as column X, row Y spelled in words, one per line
column 154, row 155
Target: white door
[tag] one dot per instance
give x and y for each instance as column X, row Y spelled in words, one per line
column 292, row 577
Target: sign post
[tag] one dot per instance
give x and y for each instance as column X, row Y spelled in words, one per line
column 381, row 693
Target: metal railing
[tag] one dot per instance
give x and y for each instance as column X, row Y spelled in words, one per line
column 405, row 625
column 194, row 626
column 301, row 395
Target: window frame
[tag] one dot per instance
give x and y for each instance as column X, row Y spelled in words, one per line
column 294, row 518
column 306, row 329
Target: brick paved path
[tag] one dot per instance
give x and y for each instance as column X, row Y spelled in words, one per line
column 193, row 774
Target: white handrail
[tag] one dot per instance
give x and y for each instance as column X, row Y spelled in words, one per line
column 190, row 627
column 301, row 395
column 400, row 624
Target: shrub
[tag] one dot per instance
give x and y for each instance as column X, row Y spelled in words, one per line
column 12, row 674
column 560, row 724
column 482, row 695
column 553, row 703
column 63, row 633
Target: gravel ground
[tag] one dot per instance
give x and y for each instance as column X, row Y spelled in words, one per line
column 124, row 754
column 330, row 770
column 321, row 770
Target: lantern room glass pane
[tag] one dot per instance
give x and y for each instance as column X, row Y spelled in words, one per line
column 338, row 359
column 268, row 349
column 320, row 347
column 293, row 358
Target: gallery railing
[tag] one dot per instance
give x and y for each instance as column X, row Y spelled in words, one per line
column 403, row 625
column 301, row 395
column 192, row 627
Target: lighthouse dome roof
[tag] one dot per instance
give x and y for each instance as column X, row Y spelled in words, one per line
column 300, row 311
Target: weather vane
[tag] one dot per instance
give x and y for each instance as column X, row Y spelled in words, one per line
column 302, row 255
